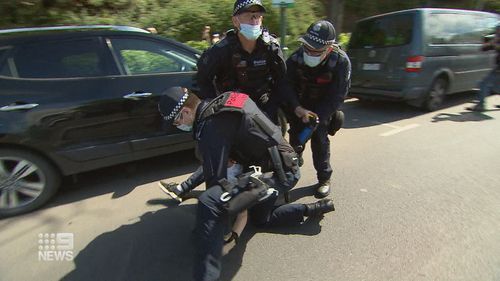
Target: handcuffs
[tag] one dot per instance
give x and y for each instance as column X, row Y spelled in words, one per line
column 226, row 196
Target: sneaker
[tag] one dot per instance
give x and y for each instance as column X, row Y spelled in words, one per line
column 173, row 189
column 477, row 107
column 319, row 208
column 323, row 189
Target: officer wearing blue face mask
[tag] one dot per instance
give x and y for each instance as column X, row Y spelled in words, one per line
column 248, row 60
column 320, row 74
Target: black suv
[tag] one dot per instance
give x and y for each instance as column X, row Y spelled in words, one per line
column 73, row 99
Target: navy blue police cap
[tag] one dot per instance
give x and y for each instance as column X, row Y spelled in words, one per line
column 319, row 35
column 171, row 102
column 241, row 6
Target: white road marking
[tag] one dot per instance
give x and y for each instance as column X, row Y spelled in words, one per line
column 387, row 125
column 399, row 130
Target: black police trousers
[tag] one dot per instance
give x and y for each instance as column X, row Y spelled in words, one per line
column 212, row 219
column 320, row 145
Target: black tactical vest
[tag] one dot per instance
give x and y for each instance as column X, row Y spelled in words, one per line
column 314, row 81
column 264, row 128
column 253, row 77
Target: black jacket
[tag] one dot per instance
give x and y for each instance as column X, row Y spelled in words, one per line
column 338, row 67
column 218, row 71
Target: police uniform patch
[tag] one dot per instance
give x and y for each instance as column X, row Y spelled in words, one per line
column 236, row 100
column 266, row 37
column 259, row 62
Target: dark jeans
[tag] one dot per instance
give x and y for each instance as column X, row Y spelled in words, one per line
column 488, row 85
column 320, row 146
column 211, row 220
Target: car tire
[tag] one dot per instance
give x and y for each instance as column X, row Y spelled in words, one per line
column 27, row 181
column 436, row 95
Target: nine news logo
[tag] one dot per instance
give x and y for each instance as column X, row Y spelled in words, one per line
column 55, row 246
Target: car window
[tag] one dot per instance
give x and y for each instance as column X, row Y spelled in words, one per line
column 59, row 59
column 383, row 32
column 446, row 28
column 4, row 65
column 144, row 56
column 487, row 25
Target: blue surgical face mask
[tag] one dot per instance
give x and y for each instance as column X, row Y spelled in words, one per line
column 185, row 128
column 312, row 61
column 251, row 32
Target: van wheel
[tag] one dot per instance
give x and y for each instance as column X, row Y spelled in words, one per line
column 436, row 95
column 27, row 181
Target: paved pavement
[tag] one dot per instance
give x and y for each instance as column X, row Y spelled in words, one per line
column 417, row 198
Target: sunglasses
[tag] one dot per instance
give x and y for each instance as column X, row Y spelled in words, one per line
column 314, row 52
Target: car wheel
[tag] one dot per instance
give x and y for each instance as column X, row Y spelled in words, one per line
column 27, row 181
column 436, row 95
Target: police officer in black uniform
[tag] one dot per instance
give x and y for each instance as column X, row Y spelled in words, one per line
column 232, row 126
column 248, row 60
column 320, row 74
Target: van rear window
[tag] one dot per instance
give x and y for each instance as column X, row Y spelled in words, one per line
column 446, row 28
column 383, row 32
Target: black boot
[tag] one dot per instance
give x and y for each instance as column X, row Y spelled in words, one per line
column 323, row 189
column 319, row 208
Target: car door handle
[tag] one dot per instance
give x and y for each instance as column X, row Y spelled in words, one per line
column 14, row 107
column 137, row 95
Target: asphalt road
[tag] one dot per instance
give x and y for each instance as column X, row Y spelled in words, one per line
column 417, row 197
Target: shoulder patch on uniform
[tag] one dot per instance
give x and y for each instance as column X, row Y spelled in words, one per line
column 236, row 99
column 266, row 37
column 269, row 38
column 333, row 59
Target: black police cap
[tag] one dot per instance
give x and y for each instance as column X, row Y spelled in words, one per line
column 319, row 34
column 241, row 6
column 171, row 102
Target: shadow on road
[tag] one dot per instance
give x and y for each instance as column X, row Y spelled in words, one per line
column 124, row 178
column 466, row 116
column 160, row 247
column 360, row 114
column 300, row 192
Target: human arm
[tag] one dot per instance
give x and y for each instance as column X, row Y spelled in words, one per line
column 208, row 65
column 292, row 88
column 232, row 239
column 337, row 90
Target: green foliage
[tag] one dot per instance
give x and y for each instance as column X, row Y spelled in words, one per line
column 199, row 45
column 145, row 62
column 343, row 40
column 184, row 19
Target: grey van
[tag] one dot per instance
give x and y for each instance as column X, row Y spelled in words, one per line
column 419, row 55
